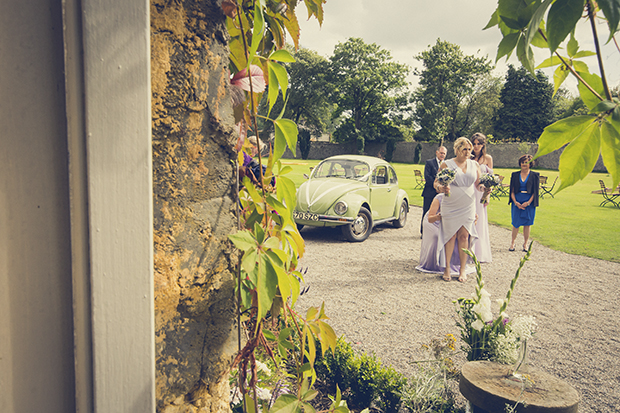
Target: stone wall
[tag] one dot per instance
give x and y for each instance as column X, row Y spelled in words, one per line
column 505, row 155
column 193, row 206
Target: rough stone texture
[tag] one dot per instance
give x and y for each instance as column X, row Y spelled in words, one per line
column 505, row 155
column 193, row 206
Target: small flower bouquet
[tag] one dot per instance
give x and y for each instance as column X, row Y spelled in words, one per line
column 445, row 177
column 489, row 181
column 486, row 337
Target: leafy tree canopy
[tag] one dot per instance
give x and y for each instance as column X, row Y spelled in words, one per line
column 527, row 106
column 447, row 82
column 368, row 89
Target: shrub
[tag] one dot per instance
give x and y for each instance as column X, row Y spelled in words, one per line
column 365, row 382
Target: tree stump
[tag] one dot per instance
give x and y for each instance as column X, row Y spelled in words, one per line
column 490, row 387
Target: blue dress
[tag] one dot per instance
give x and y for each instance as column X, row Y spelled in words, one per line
column 523, row 217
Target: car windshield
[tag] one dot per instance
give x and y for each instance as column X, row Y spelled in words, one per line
column 342, row 168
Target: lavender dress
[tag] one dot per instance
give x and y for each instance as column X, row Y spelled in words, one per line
column 482, row 247
column 428, row 249
column 459, row 209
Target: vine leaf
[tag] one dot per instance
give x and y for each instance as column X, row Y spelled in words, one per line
column 278, row 79
column 285, row 133
column 287, row 403
column 257, row 31
column 241, row 79
column 562, row 18
column 580, row 156
column 589, row 98
column 611, row 9
column 610, row 148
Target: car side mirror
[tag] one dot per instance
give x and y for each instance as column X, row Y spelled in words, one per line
column 306, row 176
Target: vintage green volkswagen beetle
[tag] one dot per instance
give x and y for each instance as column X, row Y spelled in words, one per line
column 352, row 191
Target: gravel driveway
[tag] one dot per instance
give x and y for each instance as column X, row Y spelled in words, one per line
column 378, row 300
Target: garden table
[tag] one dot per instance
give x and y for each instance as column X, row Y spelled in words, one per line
column 490, row 387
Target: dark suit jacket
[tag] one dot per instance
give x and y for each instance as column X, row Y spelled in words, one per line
column 430, row 173
column 532, row 185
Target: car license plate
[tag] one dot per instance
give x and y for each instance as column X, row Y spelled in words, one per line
column 306, row 216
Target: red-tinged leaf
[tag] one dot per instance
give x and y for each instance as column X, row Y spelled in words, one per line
column 292, row 26
column 229, row 8
column 580, row 156
column 242, row 79
column 562, row 132
column 610, row 148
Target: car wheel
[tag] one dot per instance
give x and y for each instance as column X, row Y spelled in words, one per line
column 360, row 229
column 402, row 215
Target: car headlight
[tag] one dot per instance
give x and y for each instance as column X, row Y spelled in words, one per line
column 341, row 207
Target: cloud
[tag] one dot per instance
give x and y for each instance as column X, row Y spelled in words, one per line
column 408, row 27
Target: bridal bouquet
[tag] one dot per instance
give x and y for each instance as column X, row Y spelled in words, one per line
column 445, row 177
column 489, row 181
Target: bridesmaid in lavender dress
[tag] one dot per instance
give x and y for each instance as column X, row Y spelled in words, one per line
column 429, row 261
column 458, row 218
column 482, row 248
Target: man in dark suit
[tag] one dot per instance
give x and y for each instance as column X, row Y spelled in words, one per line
column 430, row 172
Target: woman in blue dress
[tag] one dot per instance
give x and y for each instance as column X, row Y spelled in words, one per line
column 524, row 200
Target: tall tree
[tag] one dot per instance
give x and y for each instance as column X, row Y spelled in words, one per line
column 307, row 103
column 447, row 81
column 527, row 106
column 367, row 85
column 476, row 114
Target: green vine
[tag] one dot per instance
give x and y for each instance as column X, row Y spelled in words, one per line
column 268, row 278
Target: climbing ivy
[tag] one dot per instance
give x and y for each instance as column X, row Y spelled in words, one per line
column 269, row 281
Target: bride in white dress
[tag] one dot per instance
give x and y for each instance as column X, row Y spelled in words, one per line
column 458, row 227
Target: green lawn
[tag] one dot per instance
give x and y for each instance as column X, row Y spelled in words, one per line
column 571, row 222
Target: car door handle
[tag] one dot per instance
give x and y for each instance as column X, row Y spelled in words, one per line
column 389, row 189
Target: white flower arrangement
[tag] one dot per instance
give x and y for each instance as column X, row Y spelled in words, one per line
column 487, row 337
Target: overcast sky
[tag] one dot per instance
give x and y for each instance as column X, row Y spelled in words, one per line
column 408, row 27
